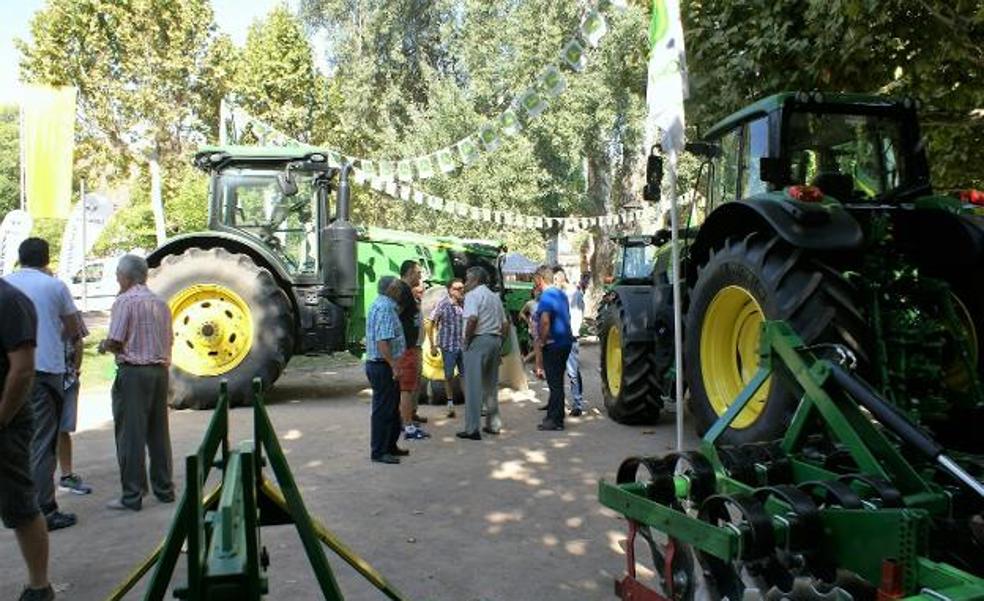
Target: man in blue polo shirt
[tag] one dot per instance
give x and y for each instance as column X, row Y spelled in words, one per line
column 553, row 344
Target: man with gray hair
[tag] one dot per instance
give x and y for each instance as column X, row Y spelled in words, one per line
column 140, row 337
column 485, row 325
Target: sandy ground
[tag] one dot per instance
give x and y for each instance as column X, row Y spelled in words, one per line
column 509, row 518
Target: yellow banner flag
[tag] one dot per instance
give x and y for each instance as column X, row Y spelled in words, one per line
column 48, row 141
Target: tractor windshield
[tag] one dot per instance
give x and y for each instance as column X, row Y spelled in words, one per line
column 635, row 262
column 252, row 202
column 852, row 157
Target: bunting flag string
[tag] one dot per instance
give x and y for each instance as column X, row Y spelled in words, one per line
column 551, row 83
column 395, row 177
column 513, row 219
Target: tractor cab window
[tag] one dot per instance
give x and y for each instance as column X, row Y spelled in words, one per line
column 635, row 262
column 725, row 183
column 754, row 147
column 849, row 157
column 252, row 202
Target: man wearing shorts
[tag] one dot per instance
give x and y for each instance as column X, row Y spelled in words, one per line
column 448, row 321
column 71, row 481
column 409, row 363
column 19, row 508
column 57, row 322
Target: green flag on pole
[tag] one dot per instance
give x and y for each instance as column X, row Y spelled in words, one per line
column 48, row 139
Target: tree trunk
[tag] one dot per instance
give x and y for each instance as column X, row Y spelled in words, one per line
column 599, row 177
column 156, row 200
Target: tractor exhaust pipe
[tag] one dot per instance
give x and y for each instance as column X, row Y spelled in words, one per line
column 344, row 207
column 342, row 283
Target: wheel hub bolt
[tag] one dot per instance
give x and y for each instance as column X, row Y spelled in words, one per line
column 208, row 330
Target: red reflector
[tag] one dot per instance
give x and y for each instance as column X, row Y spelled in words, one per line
column 805, row 193
column 890, row 587
column 974, row 197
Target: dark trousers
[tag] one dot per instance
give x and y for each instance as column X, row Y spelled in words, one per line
column 140, row 417
column 554, row 367
column 47, row 400
column 384, row 423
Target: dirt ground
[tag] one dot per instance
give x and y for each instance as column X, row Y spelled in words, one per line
column 510, row 518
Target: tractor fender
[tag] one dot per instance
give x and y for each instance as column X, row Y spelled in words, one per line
column 233, row 243
column 818, row 227
column 229, row 241
column 638, row 314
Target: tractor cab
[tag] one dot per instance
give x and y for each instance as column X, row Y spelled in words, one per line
column 277, row 198
column 849, row 148
column 634, row 259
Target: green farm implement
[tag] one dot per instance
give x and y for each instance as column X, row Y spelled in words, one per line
column 854, row 501
column 221, row 530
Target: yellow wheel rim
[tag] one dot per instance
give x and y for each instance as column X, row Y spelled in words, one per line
column 613, row 360
column 729, row 352
column 213, row 329
column 955, row 374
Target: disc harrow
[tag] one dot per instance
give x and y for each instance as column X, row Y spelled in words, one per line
column 854, row 502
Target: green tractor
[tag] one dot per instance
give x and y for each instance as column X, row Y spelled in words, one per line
column 281, row 271
column 815, row 209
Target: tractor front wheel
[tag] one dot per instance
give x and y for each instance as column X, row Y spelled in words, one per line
column 231, row 321
column 628, row 380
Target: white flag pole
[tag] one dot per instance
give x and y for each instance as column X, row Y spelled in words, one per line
column 23, row 154
column 677, row 302
column 85, row 276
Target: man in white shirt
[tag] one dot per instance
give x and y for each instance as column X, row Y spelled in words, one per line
column 575, row 298
column 57, row 322
column 485, row 325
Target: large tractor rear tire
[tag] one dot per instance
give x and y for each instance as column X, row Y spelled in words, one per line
column 742, row 283
column 628, row 380
column 231, row 321
column 961, row 428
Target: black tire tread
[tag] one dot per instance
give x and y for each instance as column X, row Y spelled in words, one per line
column 273, row 322
column 813, row 298
column 638, row 401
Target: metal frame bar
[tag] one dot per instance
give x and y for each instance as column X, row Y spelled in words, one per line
column 246, row 501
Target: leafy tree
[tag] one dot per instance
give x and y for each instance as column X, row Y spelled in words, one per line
column 470, row 59
column 139, row 67
column 276, row 80
column 9, row 159
column 739, row 50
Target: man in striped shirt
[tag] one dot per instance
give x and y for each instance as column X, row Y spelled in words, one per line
column 447, row 320
column 140, row 337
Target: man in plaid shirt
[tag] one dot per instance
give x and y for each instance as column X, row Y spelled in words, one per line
column 140, row 336
column 447, row 320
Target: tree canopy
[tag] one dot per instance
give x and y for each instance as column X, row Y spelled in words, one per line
column 404, row 77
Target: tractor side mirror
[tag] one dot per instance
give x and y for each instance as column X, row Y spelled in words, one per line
column 287, row 183
column 654, row 177
column 777, row 171
column 707, row 150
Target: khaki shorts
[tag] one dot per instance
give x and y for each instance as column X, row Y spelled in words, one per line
column 409, row 364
